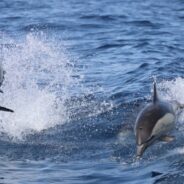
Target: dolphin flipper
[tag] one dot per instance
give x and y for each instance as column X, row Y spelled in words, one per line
column 5, row 109
column 167, row 138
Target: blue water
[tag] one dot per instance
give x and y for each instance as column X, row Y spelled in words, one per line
column 77, row 74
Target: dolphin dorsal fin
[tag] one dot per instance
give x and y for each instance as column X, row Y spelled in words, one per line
column 155, row 97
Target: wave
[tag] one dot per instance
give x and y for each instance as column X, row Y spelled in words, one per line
column 37, row 70
column 42, row 88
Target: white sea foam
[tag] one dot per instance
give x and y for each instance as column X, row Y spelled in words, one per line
column 39, row 82
column 173, row 90
column 37, row 70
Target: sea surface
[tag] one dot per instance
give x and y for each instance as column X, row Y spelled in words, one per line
column 76, row 74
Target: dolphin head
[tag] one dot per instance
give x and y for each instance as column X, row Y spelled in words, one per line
column 145, row 123
column 143, row 138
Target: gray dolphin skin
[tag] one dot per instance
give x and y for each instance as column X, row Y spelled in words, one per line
column 154, row 123
column 2, row 72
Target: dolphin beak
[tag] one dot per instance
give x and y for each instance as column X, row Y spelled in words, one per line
column 140, row 150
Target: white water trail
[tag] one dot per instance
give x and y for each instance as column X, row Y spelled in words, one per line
column 37, row 70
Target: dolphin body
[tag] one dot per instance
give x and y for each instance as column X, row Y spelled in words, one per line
column 154, row 123
column 2, row 73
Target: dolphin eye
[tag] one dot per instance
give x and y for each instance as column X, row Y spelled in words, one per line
column 140, row 128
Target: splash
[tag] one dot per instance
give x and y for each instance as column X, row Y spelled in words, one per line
column 173, row 91
column 38, row 71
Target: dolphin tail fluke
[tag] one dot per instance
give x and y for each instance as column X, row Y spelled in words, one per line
column 5, row 109
column 155, row 97
column 177, row 105
column 180, row 106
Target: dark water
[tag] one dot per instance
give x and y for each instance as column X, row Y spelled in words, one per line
column 77, row 74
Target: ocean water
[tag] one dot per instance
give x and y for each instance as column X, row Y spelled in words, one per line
column 77, row 74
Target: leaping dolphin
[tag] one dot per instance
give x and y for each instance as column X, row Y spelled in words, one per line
column 154, row 123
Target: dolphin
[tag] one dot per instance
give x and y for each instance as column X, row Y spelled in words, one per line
column 5, row 109
column 2, row 73
column 154, row 123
